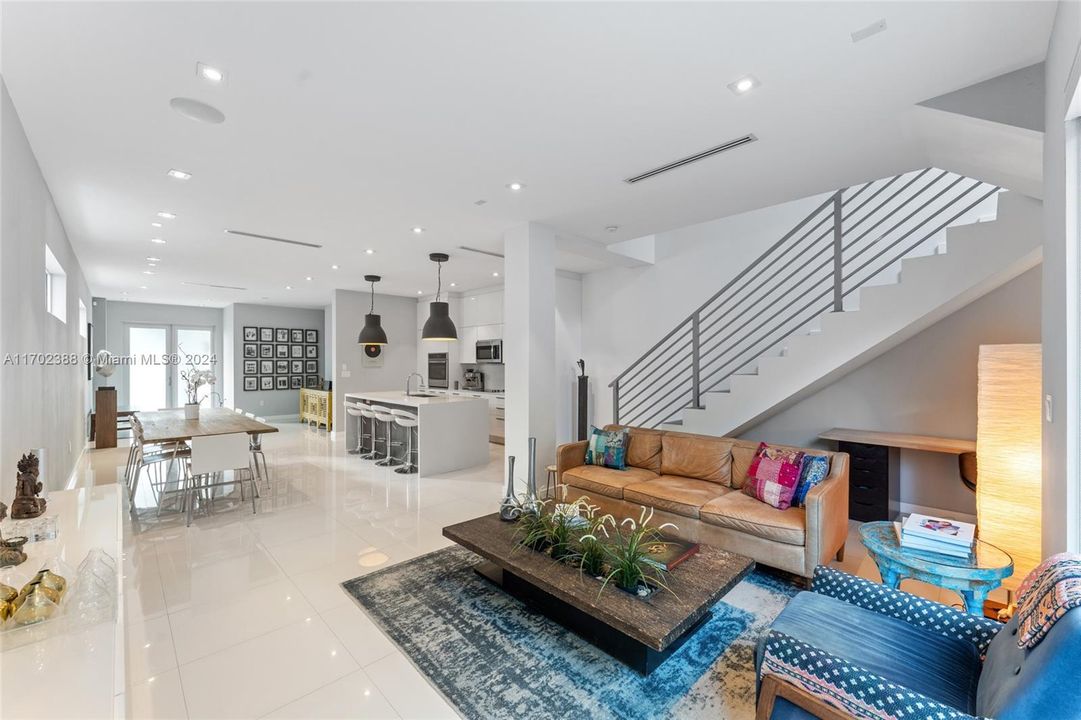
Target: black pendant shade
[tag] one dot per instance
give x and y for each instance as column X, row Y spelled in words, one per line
column 439, row 326
column 372, row 333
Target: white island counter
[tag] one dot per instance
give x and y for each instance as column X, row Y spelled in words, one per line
column 451, row 433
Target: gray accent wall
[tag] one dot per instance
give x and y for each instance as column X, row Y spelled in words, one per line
column 927, row 386
column 267, row 403
column 41, row 405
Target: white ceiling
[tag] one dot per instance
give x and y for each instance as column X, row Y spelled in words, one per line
column 348, row 124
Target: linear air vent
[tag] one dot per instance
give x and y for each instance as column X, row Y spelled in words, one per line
column 489, row 253
column 271, row 237
column 730, row 145
column 212, row 285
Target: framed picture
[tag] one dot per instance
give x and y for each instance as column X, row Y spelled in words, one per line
column 251, row 334
column 266, row 350
column 296, row 382
column 281, row 351
column 311, row 351
column 266, row 334
column 251, row 383
column 281, row 335
column 251, row 367
column 266, row 367
column 311, row 336
column 296, row 351
column 281, row 382
column 266, row 382
column 296, row 367
column 296, row 336
column 251, row 350
column 311, row 366
column 311, row 381
column 281, row 367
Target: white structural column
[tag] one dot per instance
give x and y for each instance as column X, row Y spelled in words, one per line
column 529, row 344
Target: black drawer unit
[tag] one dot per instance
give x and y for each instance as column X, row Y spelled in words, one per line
column 873, row 480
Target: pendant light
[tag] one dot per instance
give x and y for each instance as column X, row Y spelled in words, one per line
column 439, row 326
column 373, row 333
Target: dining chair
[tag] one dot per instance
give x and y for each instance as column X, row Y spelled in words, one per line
column 255, row 445
column 211, row 457
column 150, row 458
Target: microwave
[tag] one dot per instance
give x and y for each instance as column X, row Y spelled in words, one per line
column 490, row 351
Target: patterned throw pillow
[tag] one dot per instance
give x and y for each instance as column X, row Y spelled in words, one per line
column 814, row 470
column 773, row 475
column 1047, row 593
column 608, row 448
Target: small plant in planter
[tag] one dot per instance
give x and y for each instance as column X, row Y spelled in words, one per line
column 629, row 565
column 591, row 552
column 533, row 528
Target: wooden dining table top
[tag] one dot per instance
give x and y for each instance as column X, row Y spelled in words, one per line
column 171, row 425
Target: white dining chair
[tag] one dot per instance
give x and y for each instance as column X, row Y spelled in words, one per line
column 215, row 455
column 255, row 444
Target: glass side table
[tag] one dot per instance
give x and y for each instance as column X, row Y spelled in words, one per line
column 973, row 577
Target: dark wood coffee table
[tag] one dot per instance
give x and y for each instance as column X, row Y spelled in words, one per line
column 640, row 632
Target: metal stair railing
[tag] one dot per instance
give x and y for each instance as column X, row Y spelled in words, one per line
column 854, row 237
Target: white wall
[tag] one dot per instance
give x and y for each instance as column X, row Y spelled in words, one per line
column 626, row 310
column 399, row 318
column 40, row 405
column 113, row 317
column 568, row 350
column 268, row 403
column 1060, row 291
column 927, row 385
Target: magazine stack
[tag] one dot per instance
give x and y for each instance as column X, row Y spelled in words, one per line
column 940, row 535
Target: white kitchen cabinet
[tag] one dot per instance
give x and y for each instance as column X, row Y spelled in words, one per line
column 467, row 345
column 483, row 308
column 490, row 332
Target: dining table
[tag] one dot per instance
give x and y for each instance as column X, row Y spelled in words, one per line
column 168, row 426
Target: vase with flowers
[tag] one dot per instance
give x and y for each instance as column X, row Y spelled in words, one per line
column 194, row 378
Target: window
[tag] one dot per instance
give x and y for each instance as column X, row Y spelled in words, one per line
column 56, row 287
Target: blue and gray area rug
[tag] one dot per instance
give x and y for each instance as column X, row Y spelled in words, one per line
column 492, row 657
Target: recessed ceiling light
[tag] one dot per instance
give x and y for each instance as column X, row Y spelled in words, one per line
column 148, row 272
column 288, row 287
column 478, row 203
column 155, row 224
column 454, row 284
column 612, row 228
column 420, row 292
column 123, row 292
column 197, row 110
column 210, row 74
column 309, row 278
column 418, row 230
column 744, row 85
column 142, row 287
column 152, row 264
column 153, row 259
column 515, row 186
column 369, row 251
column 166, row 215
column 179, row 174
column 333, row 267
column 157, row 241
column 495, row 274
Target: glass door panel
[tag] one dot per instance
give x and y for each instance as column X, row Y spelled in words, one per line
column 148, row 375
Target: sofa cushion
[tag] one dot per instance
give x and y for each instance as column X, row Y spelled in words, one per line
column 605, row 481
column 644, row 448
column 680, row 495
column 697, row 456
column 742, row 457
column 942, row 668
column 737, row 511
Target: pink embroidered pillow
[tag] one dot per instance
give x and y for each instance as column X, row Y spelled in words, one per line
column 773, row 475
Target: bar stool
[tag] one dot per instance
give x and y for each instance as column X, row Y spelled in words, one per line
column 550, row 484
column 366, row 412
column 409, row 421
column 386, row 416
column 355, row 411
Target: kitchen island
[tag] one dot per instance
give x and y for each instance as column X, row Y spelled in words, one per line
column 451, row 433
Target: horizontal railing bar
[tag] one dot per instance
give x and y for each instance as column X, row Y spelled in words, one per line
column 631, row 380
column 627, row 399
column 686, row 321
column 901, row 206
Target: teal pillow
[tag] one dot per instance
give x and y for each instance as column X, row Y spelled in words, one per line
column 607, row 448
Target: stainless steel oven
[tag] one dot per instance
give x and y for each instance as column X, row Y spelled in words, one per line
column 437, row 370
column 490, row 351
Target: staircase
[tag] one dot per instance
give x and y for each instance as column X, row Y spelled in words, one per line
column 869, row 268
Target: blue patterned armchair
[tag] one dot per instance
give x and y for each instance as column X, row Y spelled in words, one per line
column 854, row 648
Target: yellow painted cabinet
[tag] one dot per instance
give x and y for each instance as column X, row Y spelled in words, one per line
column 316, row 406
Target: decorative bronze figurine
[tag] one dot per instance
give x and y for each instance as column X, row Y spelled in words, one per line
column 11, row 552
column 26, row 503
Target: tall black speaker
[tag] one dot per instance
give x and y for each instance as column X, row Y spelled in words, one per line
column 583, row 407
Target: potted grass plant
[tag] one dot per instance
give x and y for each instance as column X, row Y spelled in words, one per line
column 591, row 552
column 629, row 565
column 533, row 528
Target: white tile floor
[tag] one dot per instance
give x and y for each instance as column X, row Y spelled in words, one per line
column 242, row 616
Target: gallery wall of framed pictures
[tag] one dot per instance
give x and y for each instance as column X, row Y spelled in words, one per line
column 280, row 359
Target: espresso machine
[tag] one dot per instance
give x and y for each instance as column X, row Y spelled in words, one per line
column 474, row 379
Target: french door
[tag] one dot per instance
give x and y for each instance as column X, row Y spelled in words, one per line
column 156, row 355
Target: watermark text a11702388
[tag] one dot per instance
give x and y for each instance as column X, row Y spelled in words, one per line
column 74, row 358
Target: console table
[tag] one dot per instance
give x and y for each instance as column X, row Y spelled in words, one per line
column 875, row 466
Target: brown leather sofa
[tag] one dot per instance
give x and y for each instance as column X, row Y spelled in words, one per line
column 695, row 481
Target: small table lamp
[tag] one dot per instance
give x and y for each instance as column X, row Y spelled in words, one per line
column 1009, row 454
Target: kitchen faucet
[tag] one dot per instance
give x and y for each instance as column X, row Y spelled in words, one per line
column 410, row 377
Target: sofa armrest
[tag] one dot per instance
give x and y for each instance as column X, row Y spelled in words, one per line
column 569, row 456
column 925, row 614
column 839, row 688
column 827, row 515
